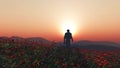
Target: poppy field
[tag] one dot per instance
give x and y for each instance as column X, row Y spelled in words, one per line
column 23, row 55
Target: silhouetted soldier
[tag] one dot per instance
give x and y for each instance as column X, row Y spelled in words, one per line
column 68, row 38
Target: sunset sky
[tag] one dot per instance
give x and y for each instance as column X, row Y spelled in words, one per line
column 96, row 20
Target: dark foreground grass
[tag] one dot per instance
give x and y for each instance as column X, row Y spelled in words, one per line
column 16, row 55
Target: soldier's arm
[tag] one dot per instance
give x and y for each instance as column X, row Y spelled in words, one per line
column 64, row 38
column 71, row 38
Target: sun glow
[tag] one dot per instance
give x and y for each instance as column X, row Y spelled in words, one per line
column 68, row 24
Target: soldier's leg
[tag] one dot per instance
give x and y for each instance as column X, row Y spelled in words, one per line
column 68, row 43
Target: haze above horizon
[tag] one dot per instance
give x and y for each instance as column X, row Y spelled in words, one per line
column 96, row 20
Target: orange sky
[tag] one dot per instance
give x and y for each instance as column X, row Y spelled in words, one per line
column 97, row 20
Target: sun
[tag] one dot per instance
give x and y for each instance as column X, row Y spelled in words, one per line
column 68, row 24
